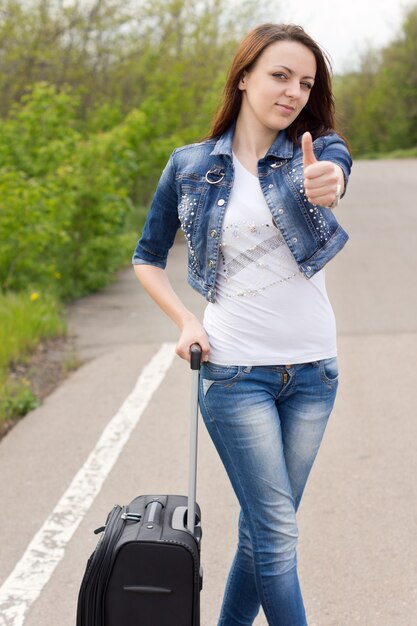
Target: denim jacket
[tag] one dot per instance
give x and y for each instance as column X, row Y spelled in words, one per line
column 194, row 190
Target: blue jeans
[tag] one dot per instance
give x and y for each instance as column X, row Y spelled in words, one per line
column 267, row 423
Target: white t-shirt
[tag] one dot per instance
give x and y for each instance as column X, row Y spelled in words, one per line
column 267, row 312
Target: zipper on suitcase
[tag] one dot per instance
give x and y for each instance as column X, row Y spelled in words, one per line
column 97, row 572
column 87, row 600
column 131, row 517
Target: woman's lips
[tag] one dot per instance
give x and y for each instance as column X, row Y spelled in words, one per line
column 286, row 109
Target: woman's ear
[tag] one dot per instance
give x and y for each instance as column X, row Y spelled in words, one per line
column 242, row 82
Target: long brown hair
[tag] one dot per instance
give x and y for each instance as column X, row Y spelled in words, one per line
column 318, row 116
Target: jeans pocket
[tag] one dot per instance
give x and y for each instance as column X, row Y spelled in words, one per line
column 329, row 370
column 221, row 374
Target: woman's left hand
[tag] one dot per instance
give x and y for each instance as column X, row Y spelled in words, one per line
column 323, row 180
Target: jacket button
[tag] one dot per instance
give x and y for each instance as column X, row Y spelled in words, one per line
column 221, row 202
column 280, row 211
column 295, row 239
column 211, row 263
column 213, row 233
column 308, row 268
column 270, row 186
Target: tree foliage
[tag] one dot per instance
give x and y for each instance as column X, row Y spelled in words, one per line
column 120, row 51
column 378, row 104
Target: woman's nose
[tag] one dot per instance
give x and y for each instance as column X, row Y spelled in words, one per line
column 293, row 89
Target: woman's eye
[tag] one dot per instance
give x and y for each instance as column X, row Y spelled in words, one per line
column 307, row 85
column 279, row 75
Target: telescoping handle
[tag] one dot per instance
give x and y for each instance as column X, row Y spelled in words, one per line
column 195, row 362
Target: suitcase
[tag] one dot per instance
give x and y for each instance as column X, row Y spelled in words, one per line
column 145, row 570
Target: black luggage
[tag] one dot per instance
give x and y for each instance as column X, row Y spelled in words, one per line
column 145, row 570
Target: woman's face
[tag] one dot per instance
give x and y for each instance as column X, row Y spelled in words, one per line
column 278, row 86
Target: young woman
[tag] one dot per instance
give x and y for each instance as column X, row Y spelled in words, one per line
column 254, row 202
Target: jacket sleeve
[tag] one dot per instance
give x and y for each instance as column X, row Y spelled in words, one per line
column 161, row 224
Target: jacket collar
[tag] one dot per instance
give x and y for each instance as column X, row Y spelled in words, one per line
column 282, row 148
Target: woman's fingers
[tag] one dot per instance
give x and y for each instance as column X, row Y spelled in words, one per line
column 191, row 333
column 321, row 182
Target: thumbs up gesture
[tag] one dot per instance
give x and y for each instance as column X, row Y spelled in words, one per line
column 323, row 180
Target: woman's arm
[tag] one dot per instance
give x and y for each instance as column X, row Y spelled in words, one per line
column 155, row 281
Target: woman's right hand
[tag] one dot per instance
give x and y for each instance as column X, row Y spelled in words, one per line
column 192, row 332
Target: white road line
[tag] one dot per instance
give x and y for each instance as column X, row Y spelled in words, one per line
column 47, row 547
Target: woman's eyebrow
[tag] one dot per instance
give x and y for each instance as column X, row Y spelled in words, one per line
column 290, row 71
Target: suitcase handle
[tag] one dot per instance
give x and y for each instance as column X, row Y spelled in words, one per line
column 195, row 353
column 153, row 512
column 195, row 362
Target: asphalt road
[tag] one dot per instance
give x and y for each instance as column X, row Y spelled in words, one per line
column 358, row 519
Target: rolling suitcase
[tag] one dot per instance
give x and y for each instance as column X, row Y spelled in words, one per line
column 145, row 570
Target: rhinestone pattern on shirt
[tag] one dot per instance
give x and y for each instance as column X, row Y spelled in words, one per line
column 254, row 257
column 253, row 254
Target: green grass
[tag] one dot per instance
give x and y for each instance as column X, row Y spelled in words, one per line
column 25, row 319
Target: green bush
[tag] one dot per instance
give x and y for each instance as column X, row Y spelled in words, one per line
column 65, row 199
